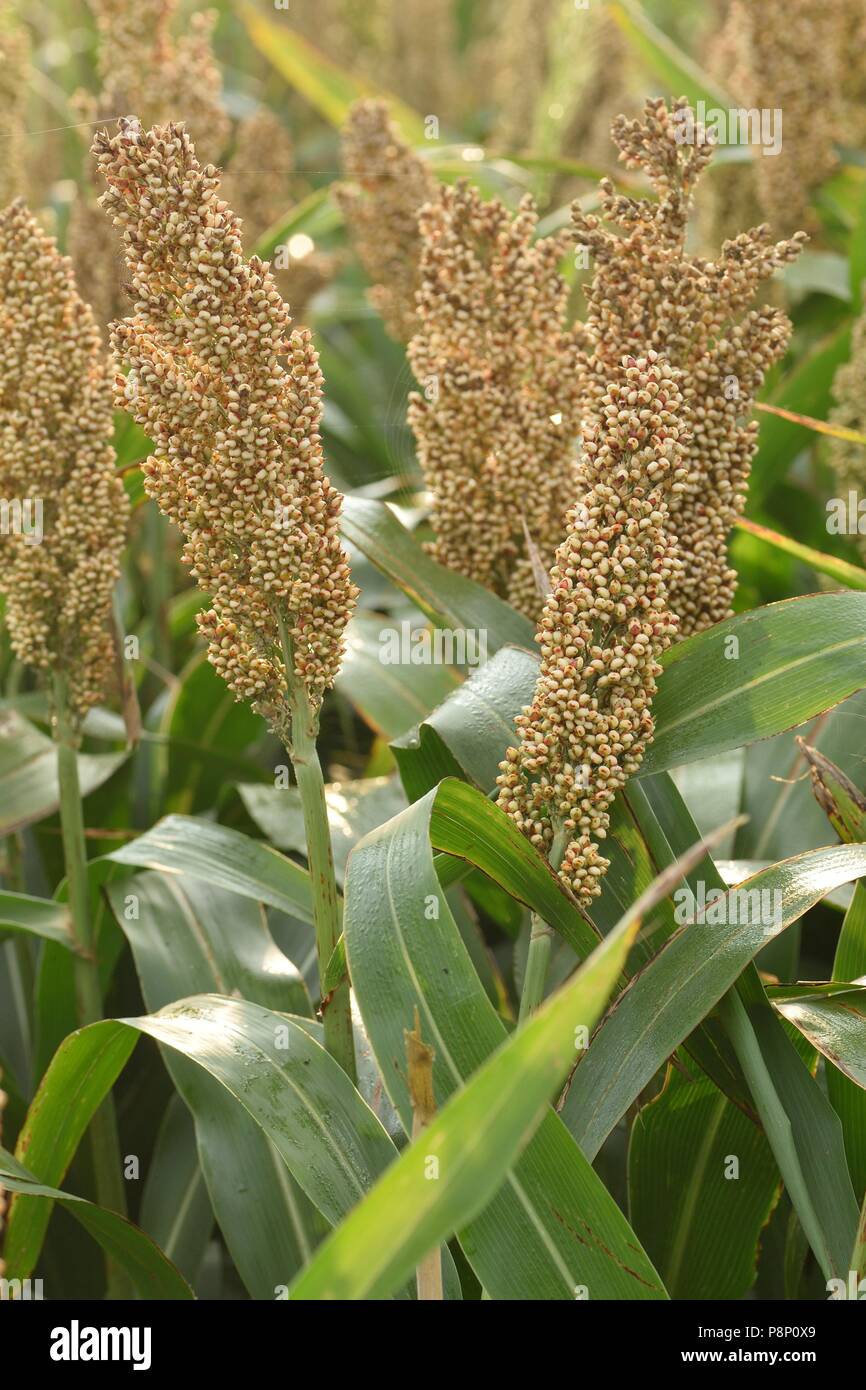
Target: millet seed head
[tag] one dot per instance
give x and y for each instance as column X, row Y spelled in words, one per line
column 648, row 292
column 498, row 419
column 388, row 185
column 604, row 625
column 232, row 399
column 56, row 423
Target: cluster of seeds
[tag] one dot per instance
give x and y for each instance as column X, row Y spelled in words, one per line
column 142, row 68
column 788, row 55
column 648, row 293
column 603, row 628
column 55, row 452
column 498, row 419
column 14, row 82
column 389, row 186
column 237, row 463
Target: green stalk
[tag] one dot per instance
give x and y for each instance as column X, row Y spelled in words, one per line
column 88, row 991
column 540, row 946
column 858, row 1259
column 327, row 916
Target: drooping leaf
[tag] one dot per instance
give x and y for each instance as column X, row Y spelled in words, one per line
column 474, row 1143
column 77, row 1081
column 152, row 1273
column 465, row 825
column 188, row 937
column 833, row 1018
column 301, row 1099
column 469, row 732
column 224, row 858
column 552, row 1226
column 742, row 680
column 37, row 917
column 391, row 696
column 788, row 662
column 801, row 1126
column 446, row 597
column 684, row 982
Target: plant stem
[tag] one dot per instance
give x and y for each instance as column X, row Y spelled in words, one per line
column 858, row 1259
column 336, row 1009
column 419, row 1071
column 540, row 946
column 537, row 962
column 88, row 992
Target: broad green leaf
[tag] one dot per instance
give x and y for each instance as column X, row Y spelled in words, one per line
column 79, row 1078
column 833, row 1017
column 791, row 660
column 464, row 824
column 188, row 937
column 152, row 1273
column 447, row 598
column 684, row 982
column 679, row 73
column 552, row 1226
column 699, row 1219
column 37, row 917
column 304, row 1103
column 328, row 88
column 224, row 858
column 175, row 1206
column 801, row 1126
column 28, row 772
column 185, row 932
column 788, row 662
column 469, row 732
column 475, row 1141
column 327, row 1137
